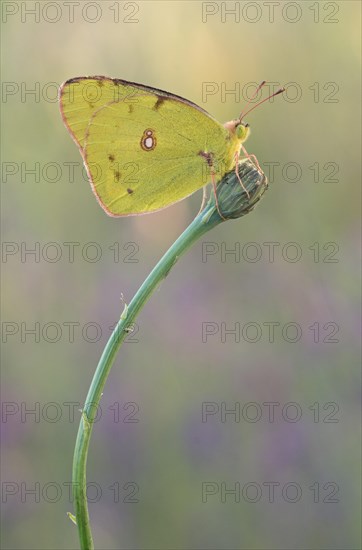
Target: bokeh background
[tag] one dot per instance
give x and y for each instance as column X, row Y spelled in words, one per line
column 167, row 369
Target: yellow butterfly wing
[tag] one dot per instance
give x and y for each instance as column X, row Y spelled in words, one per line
column 144, row 149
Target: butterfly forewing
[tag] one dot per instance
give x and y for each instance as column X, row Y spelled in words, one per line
column 144, row 149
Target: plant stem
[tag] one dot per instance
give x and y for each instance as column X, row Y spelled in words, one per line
column 235, row 201
column 201, row 224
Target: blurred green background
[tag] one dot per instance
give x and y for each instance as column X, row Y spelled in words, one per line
column 310, row 450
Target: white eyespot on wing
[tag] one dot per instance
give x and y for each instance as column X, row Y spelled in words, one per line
column 148, row 141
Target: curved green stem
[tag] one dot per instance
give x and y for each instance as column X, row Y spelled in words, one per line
column 201, row 224
column 234, row 202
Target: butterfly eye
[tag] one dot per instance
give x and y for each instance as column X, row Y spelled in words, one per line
column 247, row 125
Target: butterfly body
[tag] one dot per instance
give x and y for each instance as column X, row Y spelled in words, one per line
column 145, row 149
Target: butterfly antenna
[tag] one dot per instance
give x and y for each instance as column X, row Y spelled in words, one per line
column 280, row 91
column 253, row 97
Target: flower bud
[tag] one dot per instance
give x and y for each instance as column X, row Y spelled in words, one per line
column 236, row 200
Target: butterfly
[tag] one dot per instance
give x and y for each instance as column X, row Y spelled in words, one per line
column 144, row 148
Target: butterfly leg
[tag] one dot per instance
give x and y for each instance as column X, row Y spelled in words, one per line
column 204, row 199
column 237, row 156
column 215, row 193
column 252, row 157
column 208, row 157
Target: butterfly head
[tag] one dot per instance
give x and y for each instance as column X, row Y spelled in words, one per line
column 238, row 129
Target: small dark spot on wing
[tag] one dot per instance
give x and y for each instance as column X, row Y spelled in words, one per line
column 117, row 175
column 130, row 108
column 159, row 102
column 111, row 158
column 129, row 191
column 207, row 156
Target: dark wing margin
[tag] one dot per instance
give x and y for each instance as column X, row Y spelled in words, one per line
column 156, row 91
